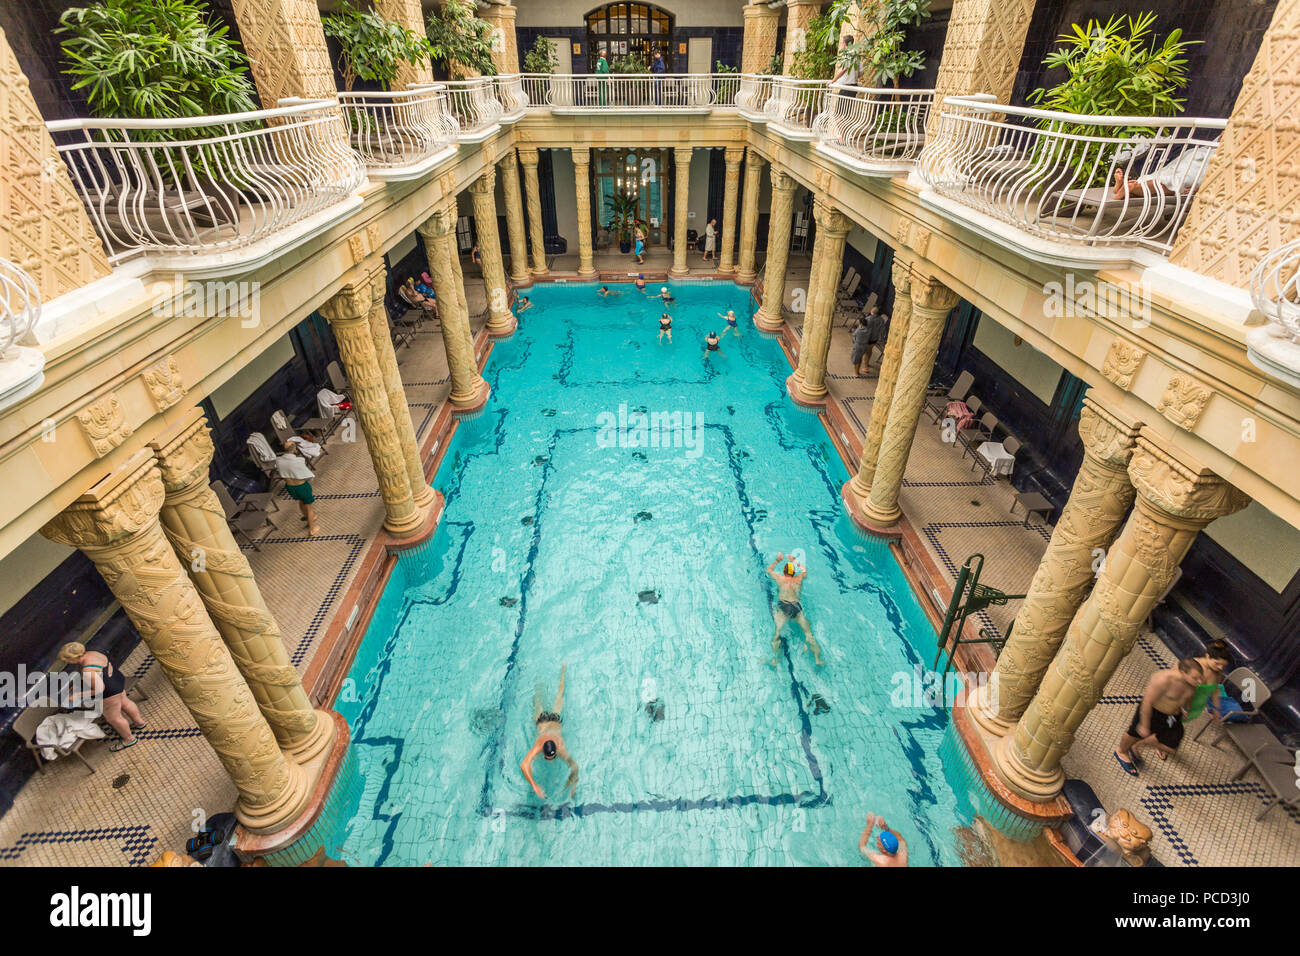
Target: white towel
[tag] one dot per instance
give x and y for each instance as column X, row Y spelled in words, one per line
column 327, row 402
column 279, row 419
column 58, row 733
column 308, row 449
column 260, row 449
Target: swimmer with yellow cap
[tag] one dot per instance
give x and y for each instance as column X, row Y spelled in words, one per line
column 789, row 586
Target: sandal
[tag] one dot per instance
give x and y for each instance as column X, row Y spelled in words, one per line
column 1128, row 767
column 140, row 726
column 122, row 745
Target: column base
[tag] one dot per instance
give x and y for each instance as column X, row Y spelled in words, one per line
column 795, row 389
column 320, row 773
column 504, row 327
column 745, row 278
column 768, row 323
column 317, row 742
column 543, row 271
column 523, row 281
column 1036, row 785
column 424, row 496
column 986, row 716
column 590, row 272
column 857, row 508
column 407, row 527
column 428, row 526
column 276, row 816
column 675, row 273
column 470, row 405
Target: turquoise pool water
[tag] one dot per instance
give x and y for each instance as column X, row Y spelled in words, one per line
column 637, row 557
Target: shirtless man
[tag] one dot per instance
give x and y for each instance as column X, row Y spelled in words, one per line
column 550, row 739
column 1158, row 721
column 789, row 584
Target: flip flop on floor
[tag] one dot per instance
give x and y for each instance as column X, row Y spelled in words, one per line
column 140, row 726
column 123, row 744
column 1127, row 766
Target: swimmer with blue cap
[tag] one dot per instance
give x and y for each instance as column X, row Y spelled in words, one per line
column 891, row 849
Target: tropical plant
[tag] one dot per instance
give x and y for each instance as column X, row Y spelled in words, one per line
column 1112, row 69
column 633, row 62
column 774, row 66
column 541, row 58
column 720, row 67
column 373, row 48
column 880, row 56
column 815, row 60
column 154, row 59
column 622, row 211
column 459, row 40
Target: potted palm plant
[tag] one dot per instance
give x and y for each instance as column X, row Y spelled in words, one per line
column 622, row 217
column 461, row 42
column 372, row 48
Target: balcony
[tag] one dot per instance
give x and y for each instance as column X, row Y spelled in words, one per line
column 877, row 132
column 508, row 88
column 752, row 95
column 633, row 93
column 1044, row 184
column 1275, row 291
column 400, row 135
column 209, row 185
column 793, row 105
column 476, row 108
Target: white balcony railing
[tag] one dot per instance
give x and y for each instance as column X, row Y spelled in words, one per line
column 1275, row 289
column 390, row 131
column 752, row 95
column 1089, row 180
column 475, row 106
column 794, row 104
column 509, row 91
column 597, row 92
column 207, row 184
column 876, row 127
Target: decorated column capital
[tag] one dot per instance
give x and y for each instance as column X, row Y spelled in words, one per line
column 581, row 155
column 1186, row 493
column 782, row 181
column 486, row 181
column 733, row 155
column 350, row 304
column 902, row 276
column 830, row 218
column 931, row 296
column 123, row 505
column 529, row 155
column 682, row 155
column 184, row 454
column 1107, row 439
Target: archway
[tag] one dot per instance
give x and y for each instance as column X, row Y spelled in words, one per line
column 619, row 30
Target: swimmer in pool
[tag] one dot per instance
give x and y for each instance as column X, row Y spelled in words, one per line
column 891, row 849
column 663, row 294
column 730, row 318
column 666, row 327
column 606, row 290
column 713, row 344
column 550, row 739
column 640, row 282
column 522, row 302
column 789, row 584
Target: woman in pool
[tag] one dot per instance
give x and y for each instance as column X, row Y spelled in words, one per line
column 713, row 344
column 550, row 739
column 607, row 291
column 522, row 302
column 666, row 327
column 663, row 294
column 640, row 282
column 730, row 318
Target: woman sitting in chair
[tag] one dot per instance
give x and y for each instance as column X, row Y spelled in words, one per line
column 412, row 296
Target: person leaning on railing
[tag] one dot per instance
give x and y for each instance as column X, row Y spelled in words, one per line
column 846, row 70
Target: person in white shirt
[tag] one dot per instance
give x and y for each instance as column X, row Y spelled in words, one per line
column 297, row 481
column 846, row 74
column 710, row 240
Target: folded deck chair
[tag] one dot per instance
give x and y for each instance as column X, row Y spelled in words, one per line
column 338, row 381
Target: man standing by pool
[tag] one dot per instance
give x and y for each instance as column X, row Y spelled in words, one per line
column 789, row 585
column 1158, row 721
column 550, row 739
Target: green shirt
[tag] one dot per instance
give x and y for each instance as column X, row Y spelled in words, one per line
column 602, row 65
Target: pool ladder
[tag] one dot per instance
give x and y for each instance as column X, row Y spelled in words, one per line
column 970, row 597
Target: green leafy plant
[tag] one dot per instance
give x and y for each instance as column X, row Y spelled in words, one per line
column 541, row 58
column 459, row 40
column 720, row 67
column 774, row 66
column 622, row 212
column 154, row 59
column 633, row 62
column 1114, row 69
column 372, row 47
column 880, row 56
column 816, row 60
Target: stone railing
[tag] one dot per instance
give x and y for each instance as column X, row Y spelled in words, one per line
column 874, row 128
column 399, row 130
column 509, row 91
column 1082, row 180
column 752, row 95
column 208, row 184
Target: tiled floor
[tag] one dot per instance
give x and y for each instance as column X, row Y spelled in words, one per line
column 147, row 799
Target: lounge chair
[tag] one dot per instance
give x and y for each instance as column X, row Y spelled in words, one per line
column 1275, row 761
column 254, row 501
column 971, row 438
column 263, row 455
column 937, row 399
column 338, row 381
column 25, row 725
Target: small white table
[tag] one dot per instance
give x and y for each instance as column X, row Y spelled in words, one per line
column 1000, row 462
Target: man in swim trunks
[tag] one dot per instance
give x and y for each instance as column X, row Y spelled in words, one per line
column 789, row 584
column 606, row 290
column 1158, row 721
column 666, row 327
column 522, row 302
column 730, row 319
column 713, row 344
column 550, row 739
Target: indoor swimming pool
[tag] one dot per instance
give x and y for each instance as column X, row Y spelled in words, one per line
column 613, row 509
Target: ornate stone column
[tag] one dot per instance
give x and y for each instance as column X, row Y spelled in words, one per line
column 1098, row 504
column 348, row 314
column 285, row 43
column 1174, row 502
column 116, row 525
column 681, row 207
column 469, row 391
column 982, row 50
column 857, row 488
column 44, row 227
column 730, row 201
column 501, row 321
column 533, row 189
column 400, row 410
column 195, row 524
column 1239, row 213
column 746, row 271
column 505, row 43
column 582, row 190
column 807, row 384
column 408, row 14
column 798, row 14
column 931, row 303
column 519, row 273
column 758, row 45
column 769, row 318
